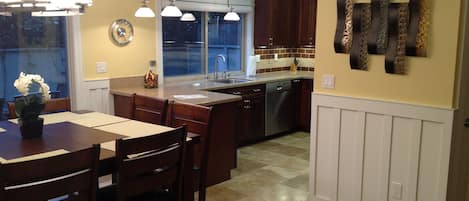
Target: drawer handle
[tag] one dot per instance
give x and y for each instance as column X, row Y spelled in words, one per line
column 296, row 81
column 247, row 101
column 279, row 88
column 256, row 90
column 237, row 93
column 247, row 107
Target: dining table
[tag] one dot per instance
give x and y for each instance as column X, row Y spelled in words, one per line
column 72, row 131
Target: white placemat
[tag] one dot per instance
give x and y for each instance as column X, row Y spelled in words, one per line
column 35, row 156
column 55, row 117
column 131, row 128
column 94, row 119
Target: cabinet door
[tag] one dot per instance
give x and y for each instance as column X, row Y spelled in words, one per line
column 285, row 24
column 305, row 106
column 307, row 23
column 297, row 101
column 275, row 23
column 252, row 119
column 263, row 26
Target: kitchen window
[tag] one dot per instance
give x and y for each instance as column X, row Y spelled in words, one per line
column 36, row 45
column 186, row 52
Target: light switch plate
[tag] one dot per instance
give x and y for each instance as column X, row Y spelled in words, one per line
column 396, row 190
column 328, row 81
column 275, row 56
column 101, row 67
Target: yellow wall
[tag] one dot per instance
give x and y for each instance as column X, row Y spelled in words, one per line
column 429, row 81
column 121, row 61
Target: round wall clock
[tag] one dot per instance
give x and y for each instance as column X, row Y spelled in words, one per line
column 121, row 32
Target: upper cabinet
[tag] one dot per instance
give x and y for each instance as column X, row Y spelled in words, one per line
column 306, row 23
column 280, row 23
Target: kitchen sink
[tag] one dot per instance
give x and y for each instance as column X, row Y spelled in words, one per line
column 231, row 80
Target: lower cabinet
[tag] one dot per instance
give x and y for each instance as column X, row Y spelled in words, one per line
column 304, row 120
column 251, row 121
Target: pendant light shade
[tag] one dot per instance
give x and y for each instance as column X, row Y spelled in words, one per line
column 231, row 16
column 187, row 17
column 171, row 11
column 144, row 10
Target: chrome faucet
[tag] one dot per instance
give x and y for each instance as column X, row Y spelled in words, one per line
column 216, row 67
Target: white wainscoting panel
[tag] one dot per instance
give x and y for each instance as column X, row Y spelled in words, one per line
column 367, row 150
column 97, row 96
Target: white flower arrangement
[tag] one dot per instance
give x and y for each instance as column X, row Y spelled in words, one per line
column 24, row 82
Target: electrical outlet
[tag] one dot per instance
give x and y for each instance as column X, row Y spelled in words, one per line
column 258, row 58
column 275, row 56
column 101, row 67
column 396, row 190
column 328, row 81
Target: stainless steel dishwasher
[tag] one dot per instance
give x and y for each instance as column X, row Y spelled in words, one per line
column 278, row 112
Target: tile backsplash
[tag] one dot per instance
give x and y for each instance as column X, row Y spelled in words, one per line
column 305, row 57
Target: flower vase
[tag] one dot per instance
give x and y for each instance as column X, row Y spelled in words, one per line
column 27, row 109
column 31, row 128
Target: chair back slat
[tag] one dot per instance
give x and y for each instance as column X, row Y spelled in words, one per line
column 48, row 190
column 167, row 158
column 73, row 174
column 199, row 121
column 150, row 110
column 52, row 105
column 150, row 162
column 131, row 146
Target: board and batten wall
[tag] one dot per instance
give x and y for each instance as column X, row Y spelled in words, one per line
column 376, row 134
column 361, row 147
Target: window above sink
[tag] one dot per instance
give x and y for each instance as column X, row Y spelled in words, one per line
column 186, row 52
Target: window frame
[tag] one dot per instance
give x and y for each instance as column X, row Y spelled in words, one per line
column 206, row 74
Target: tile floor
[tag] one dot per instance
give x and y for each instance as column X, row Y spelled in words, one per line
column 274, row 170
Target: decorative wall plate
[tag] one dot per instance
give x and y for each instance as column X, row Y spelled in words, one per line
column 121, row 32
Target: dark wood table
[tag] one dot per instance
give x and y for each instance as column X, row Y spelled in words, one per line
column 73, row 137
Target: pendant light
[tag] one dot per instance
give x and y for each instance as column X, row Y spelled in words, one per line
column 45, row 7
column 144, row 10
column 231, row 16
column 171, row 10
column 187, row 17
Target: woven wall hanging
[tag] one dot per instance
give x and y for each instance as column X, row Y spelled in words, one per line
column 395, row 30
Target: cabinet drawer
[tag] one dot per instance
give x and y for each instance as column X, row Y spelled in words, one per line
column 245, row 91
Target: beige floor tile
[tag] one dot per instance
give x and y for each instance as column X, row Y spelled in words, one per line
column 274, row 170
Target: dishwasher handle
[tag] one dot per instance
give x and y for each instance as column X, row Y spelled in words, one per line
column 279, row 88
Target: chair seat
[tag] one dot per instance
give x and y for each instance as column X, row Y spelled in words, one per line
column 109, row 193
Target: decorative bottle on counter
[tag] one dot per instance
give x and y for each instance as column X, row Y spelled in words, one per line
column 150, row 78
column 294, row 65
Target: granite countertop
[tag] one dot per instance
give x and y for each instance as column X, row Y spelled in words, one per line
column 129, row 86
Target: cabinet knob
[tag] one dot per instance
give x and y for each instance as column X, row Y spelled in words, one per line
column 271, row 41
column 295, row 81
column 247, row 101
column 247, row 107
column 236, row 93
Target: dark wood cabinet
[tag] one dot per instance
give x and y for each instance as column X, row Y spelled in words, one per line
column 252, row 113
column 280, row 23
column 275, row 23
column 305, row 104
column 297, row 97
column 306, row 23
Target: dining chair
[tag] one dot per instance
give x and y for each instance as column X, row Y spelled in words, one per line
column 149, row 168
column 199, row 121
column 72, row 176
column 51, row 105
column 150, row 110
